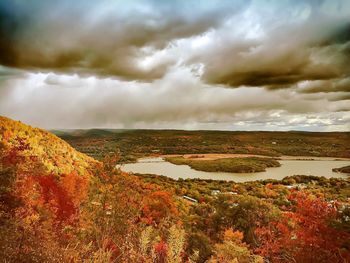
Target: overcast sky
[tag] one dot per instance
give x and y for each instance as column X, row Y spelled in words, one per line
column 191, row 64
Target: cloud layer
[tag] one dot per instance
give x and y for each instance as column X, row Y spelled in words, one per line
column 178, row 100
column 180, row 64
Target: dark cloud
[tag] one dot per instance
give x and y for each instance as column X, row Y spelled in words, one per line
column 176, row 64
column 104, row 38
column 112, row 38
column 281, row 60
column 326, row 86
column 8, row 27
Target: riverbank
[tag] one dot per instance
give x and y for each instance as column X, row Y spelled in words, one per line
column 215, row 156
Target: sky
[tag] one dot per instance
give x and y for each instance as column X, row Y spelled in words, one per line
column 191, row 64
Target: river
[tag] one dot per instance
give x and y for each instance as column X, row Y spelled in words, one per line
column 318, row 167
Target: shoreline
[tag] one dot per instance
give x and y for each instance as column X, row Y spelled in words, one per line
column 215, row 156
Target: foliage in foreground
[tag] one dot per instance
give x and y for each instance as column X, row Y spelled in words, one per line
column 99, row 214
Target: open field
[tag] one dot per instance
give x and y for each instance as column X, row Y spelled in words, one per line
column 133, row 144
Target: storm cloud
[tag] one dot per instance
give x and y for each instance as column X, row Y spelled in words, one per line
column 218, row 64
column 104, row 38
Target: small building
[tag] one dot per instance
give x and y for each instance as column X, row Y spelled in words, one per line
column 215, row 192
column 190, row 199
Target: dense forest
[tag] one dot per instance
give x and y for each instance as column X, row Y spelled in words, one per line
column 59, row 205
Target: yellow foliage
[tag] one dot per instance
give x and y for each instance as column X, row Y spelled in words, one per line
column 46, row 147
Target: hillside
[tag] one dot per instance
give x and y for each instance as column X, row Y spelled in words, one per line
column 59, row 205
column 55, row 155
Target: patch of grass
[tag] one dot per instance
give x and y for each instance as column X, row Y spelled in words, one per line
column 229, row 165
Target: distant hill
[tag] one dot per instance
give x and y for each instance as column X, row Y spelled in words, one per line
column 56, row 156
column 137, row 143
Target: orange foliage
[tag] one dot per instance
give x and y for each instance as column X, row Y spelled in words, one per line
column 231, row 235
column 75, row 186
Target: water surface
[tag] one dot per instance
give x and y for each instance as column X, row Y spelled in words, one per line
column 320, row 167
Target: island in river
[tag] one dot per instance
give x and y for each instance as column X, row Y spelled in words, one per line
column 228, row 165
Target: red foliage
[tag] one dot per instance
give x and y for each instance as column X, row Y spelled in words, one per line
column 304, row 234
column 158, row 205
column 161, row 250
column 56, row 198
column 13, row 156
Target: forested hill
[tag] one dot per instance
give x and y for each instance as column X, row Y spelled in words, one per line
column 54, row 154
column 59, row 205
